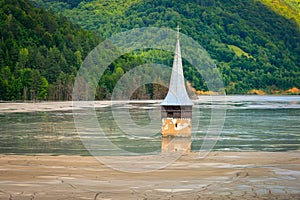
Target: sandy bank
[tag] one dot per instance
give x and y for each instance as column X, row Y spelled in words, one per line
column 62, row 105
column 221, row 175
column 230, row 102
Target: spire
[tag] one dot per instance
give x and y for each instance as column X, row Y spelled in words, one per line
column 178, row 29
column 177, row 94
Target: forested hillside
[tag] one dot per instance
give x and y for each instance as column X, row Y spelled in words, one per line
column 256, row 44
column 287, row 8
column 40, row 52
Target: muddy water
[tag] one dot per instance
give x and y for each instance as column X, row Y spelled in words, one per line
column 256, row 123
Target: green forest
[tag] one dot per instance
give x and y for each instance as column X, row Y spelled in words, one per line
column 39, row 52
column 255, row 44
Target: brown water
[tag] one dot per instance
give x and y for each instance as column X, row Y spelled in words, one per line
column 259, row 123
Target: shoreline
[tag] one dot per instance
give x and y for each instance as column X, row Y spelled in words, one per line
column 220, row 175
column 192, row 152
column 48, row 106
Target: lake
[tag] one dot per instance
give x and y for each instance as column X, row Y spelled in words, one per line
column 247, row 123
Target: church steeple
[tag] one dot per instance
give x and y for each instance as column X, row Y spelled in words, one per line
column 176, row 108
column 177, row 94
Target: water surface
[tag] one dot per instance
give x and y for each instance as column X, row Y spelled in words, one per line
column 255, row 123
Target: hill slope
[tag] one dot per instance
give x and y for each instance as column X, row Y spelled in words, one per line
column 254, row 47
column 39, row 52
column 287, row 8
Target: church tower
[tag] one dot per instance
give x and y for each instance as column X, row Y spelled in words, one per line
column 176, row 108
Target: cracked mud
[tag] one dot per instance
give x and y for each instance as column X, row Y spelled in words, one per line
column 221, row 175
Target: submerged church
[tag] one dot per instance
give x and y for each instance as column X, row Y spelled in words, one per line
column 176, row 108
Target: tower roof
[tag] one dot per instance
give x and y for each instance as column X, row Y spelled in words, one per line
column 177, row 94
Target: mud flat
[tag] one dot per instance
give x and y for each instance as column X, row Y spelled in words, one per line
column 10, row 107
column 43, row 106
column 220, row 175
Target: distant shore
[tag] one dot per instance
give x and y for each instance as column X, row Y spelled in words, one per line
column 44, row 106
column 220, row 175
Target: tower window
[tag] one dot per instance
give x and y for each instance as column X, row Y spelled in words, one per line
column 170, row 114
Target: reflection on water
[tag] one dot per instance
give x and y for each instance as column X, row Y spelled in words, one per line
column 252, row 123
column 176, row 145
